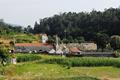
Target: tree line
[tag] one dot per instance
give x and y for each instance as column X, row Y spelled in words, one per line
column 94, row 26
column 8, row 29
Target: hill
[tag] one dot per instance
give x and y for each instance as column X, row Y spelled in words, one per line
column 94, row 26
column 10, row 33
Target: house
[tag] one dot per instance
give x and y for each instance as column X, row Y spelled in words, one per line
column 88, row 46
column 74, row 50
column 52, row 51
column 44, row 37
column 33, row 47
column 59, row 51
column 83, row 46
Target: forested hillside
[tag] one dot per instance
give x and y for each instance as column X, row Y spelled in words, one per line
column 7, row 30
column 94, row 26
column 81, row 24
column 9, row 33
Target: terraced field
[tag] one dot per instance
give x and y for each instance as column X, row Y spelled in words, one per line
column 37, row 70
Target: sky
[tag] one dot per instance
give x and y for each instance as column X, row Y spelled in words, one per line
column 26, row 12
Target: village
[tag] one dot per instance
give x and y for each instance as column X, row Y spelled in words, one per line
column 70, row 49
column 59, row 40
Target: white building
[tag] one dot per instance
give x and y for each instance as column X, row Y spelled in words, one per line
column 44, row 38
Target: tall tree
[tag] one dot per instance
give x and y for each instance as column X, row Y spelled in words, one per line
column 102, row 40
column 115, row 42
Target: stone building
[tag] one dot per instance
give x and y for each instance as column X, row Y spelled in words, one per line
column 83, row 46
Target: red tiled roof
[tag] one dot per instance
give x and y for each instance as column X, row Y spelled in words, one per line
column 74, row 49
column 32, row 44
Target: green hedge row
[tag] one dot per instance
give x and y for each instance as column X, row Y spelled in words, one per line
column 85, row 61
column 71, row 78
column 27, row 57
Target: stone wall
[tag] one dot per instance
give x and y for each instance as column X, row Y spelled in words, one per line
column 83, row 46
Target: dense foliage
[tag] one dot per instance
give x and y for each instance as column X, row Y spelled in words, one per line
column 73, row 26
column 4, row 56
column 8, row 29
column 85, row 61
column 115, row 42
column 10, row 33
column 27, row 57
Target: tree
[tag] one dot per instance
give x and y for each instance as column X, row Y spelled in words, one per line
column 102, row 40
column 75, row 41
column 65, row 41
column 70, row 39
column 115, row 42
column 29, row 29
column 51, row 40
column 12, row 43
column 4, row 56
column 84, row 24
column 81, row 39
column 36, row 27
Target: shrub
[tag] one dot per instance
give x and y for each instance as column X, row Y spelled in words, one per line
column 27, row 57
column 117, row 54
column 4, row 56
column 23, row 41
column 85, row 61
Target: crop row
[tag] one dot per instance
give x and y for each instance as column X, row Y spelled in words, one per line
column 85, row 61
column 27, row 57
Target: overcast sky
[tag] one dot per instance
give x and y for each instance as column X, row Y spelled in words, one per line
column 25, row 12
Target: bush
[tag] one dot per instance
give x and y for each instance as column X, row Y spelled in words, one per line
column 117, row 54
column 27, row 57
column 85, row 61
column 23, row 41
column 4, row 56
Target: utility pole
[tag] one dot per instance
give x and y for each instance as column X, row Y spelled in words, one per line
column 13, row 43
column 13, row 60
column 57, row 46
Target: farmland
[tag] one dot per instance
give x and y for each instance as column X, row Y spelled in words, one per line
column 41, row 70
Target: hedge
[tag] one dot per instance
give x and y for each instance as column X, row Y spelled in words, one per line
column 27, row 57
column 85, row 61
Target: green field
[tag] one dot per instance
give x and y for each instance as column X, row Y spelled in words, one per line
column 37, row 70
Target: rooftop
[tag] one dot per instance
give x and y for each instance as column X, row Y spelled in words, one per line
column 32, row 44
column 74, row 49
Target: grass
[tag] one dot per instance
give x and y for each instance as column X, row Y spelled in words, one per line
column 27, row 57
column 33, row 70
column 37, row 70
column 84, row 61
column 20, row 37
